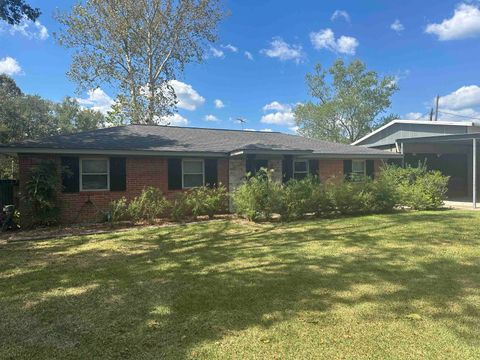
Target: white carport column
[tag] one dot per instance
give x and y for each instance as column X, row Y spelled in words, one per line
column 474, row 171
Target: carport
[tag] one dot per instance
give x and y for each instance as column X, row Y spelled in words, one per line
column 453, row 155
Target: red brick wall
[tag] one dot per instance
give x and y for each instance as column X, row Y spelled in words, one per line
column 141, row 172
column 330, row 168
column 333, row 168
column 85, row 206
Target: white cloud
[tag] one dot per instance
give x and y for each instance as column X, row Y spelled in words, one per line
column 413, row 116
column 97, row 100
column 464, row 97
column 283, row 51
column 262, row 130
column 216, row 52
column 397, row 26
column 458, row 115
column 294, row 129
column 281, row 114
column 230, row 47
column 465, row 23
column 27, row 28
column 276, row 106
column 340, row 14
column 9, row 66
column 218, row 103
column 175, row 120
column 210, row 118
column 279, row 118
column 188, row 98
column 248, row 55
column 325, row 39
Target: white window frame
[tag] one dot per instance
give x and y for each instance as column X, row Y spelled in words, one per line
column 301, row 172
column 364, row 175
column 183, row 173
column 81, row 174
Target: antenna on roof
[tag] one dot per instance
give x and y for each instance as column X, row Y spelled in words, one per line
column 242, row 121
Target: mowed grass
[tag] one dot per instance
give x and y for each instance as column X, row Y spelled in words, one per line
column 400, row 286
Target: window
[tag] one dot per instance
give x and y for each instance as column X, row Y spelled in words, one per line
column 358, row 170
column 300, row 169
column 192, row 173
column 94, row 174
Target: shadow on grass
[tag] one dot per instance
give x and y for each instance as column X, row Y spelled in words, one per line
column 161, row 292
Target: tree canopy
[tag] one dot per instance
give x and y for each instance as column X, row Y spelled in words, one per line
column 348, row 105
column 137, row 47
column 25, row 116
column 14, row 11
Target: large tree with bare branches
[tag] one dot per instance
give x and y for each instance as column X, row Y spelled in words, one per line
column 136, row 47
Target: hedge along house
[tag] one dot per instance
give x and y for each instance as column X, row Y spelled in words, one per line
column 110, row 163
column 450, row 147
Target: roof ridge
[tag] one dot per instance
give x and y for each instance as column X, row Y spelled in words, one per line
column 206, row 128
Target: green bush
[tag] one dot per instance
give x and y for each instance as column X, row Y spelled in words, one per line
column 40, row 195
column 297, row 198
column 259, row 197
column 150, row 205
column 119, row 210
column 207, row 201
column 181, row 208
column 417, row 187
column 322, row 200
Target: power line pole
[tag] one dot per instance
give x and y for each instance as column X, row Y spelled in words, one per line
column 436, row 108
column 431, row 114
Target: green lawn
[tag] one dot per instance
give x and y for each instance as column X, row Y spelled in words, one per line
column 401, row 286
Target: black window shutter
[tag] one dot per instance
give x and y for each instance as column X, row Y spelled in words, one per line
column 70, row 174
column 211, row 172
column 174, row 174
column 118, row 174
column 287, row 167
column 347, row 169
column 313, row 167
column 250, row 165
column 370, row 168
column 260, row 164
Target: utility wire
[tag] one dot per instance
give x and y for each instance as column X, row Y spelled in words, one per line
column 463, row 116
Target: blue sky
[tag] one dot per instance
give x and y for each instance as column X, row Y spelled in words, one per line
column 431, row 47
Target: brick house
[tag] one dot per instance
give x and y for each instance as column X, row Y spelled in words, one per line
column 110, row 163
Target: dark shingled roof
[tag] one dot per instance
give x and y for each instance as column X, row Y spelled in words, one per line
column 189, row 139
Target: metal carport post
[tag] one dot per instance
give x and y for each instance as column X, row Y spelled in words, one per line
column 474, row 171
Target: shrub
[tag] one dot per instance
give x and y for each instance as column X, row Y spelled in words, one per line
column 346, row 197
column 386, row 195
column 181, row 209
column 119, row 210
column 258, row 197
column 150, row 205
column 297, row 198
column 207, row 201
column 41, row 195
column 417, row 187
column 322, row 199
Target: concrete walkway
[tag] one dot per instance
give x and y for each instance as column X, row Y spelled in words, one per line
column 462, row 204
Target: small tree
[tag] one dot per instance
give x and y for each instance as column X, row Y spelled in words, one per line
column 349, row 106
column 41, row 194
